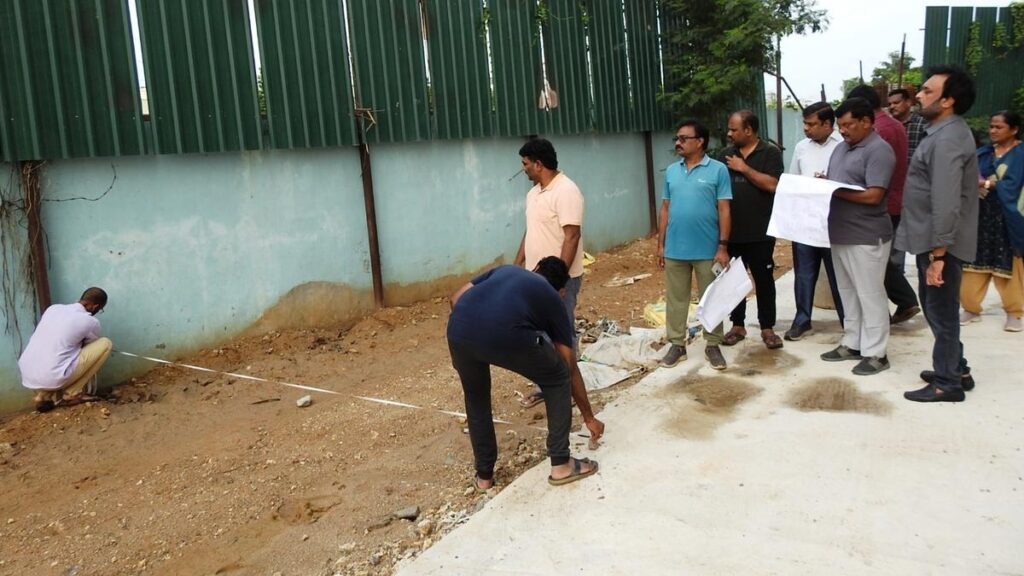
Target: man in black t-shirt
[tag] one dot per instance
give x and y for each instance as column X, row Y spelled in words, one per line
column 513, row 318
column 754, row 170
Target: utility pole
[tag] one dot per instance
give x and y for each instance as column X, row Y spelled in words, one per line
column 823, row 93
column 903, row 52
column 778, row 90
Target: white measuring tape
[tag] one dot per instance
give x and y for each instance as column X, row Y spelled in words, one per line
column 307, row 388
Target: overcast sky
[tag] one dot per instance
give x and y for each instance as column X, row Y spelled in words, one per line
column 859, row 30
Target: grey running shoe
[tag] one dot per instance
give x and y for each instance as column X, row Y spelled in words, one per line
column 869, row 366
column 675, row 355
column 798, row 332
column 713, row 354
column 841, row 353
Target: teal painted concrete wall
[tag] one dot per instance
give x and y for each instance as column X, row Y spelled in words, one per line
column 452, row 207
column 195, row 249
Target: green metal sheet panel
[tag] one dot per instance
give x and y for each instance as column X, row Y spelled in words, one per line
column 457, row 38
column 959, row 34
column 987, row 79
column 565, row 57
column 1001, row 69
column 306, row 83
column 936, row 29
column 390, row 72
column 515, row 48
column 200, row 75
column 642, row 37
column 612, row 94
column 68, row 84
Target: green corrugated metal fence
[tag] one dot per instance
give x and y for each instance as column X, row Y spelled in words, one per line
column 642, row 37
column 517, row 67
column 67, row 80
column 200, row 75
column 565, row 46
column 304, row 57
column 1000, row 71
column 68, row 84
column 608, row 60
column 391, row 79
column 457, row 37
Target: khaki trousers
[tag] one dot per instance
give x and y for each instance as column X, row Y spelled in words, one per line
column 678, row 285
column 974, row 286
column 90, row 360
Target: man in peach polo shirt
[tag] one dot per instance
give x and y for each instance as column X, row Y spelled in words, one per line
column 554, row 223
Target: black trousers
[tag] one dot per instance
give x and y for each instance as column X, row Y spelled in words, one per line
column 539, row 363
column 941, row 305
column 758, row 258
column 897, row 288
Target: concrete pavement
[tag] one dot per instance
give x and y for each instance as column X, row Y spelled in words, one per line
column 782, row 464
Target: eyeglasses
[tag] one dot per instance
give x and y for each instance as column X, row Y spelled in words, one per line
column 684, row 138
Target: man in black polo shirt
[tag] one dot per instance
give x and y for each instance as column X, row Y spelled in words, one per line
column 515, row 319
column 754, row 168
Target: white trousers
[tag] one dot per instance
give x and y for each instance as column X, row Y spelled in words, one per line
column 860, row 277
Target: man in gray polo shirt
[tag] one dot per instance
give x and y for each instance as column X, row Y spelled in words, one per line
column 940, row 225
column 860, row 232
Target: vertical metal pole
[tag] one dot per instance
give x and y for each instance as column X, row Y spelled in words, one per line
column 778, row 91
column 37, row 251
column 903, row 52
column 371, row 221
column 649, row 156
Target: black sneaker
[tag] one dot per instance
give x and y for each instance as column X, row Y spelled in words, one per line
column 841, row 353
column 966, row 381
column 870, row 366
column 713, row 354
column 798, row 332
column 903, row 314
column 675, row 355
column 932, row 393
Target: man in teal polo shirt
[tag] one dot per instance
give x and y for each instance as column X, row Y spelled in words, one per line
column 693, row 234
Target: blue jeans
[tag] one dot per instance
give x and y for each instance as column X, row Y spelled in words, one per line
column 941, row 306
column 806, row 264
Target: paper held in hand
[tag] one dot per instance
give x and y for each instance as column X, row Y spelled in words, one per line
column 800, row 211
column 728, row 290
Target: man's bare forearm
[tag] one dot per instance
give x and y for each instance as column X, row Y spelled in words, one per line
column 570, row 244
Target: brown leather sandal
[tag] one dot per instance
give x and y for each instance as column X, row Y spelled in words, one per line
column 772, row 341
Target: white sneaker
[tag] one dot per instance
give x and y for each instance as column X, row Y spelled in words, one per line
column 968, row 317
column 1013, row 324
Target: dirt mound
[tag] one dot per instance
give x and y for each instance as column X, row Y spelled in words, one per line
column 837, row 395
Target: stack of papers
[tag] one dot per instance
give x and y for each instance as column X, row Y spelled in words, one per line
column 728, row 290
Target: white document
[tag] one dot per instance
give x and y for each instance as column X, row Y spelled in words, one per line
column 801, row 209
column 728, row 290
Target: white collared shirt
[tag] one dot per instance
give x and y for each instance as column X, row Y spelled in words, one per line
column 52, row 351
column 810, row 158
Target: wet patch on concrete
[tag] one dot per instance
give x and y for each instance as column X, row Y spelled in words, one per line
column 760, row 360
column 698, row 405
column 837, row 395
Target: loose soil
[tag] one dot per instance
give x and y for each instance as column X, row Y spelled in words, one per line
column 186, row 472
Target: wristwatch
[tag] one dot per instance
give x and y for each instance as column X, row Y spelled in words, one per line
column 932, row 257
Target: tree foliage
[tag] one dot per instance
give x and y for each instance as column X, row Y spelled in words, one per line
column 715, row 49
column 888, row 73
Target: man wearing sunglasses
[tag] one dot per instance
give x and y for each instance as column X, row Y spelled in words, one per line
column 693, row 234
column 65, row 352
